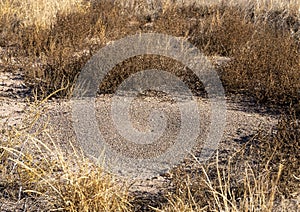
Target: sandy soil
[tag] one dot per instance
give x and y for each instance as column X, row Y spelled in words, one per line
column 242, row 122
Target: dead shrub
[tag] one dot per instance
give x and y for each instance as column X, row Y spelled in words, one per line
column 265, row 67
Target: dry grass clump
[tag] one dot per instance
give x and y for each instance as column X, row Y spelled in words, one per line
column 264, row 53
column 220, row 189
column 261, row 177
column 281, row 145
column 52, row 57
column 42, row 175
column 265, row 62
column 40, row 13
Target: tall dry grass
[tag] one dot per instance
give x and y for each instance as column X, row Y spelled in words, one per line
column 45, row 175
column 262, row 176
column 39, row 13
column 263, row 44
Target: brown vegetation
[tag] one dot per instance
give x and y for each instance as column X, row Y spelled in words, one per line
column 263, row 45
